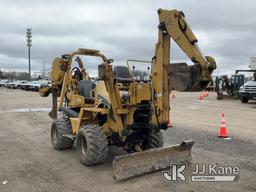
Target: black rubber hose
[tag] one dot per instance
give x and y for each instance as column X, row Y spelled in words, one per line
column 69, row 112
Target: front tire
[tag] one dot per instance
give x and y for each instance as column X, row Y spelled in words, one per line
column 60, row 127
column 91, row 145
column 244, row 99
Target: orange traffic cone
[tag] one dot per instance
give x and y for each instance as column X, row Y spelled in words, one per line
column 201, row 97
column 223, row 127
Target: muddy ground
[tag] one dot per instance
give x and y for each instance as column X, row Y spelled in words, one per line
column 29, row 163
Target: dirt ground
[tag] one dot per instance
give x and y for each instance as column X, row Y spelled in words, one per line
column 29, row 163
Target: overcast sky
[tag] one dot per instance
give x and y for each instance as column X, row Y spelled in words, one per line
column 226, row 30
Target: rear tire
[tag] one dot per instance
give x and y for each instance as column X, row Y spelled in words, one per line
column 59, row 128
column 91, row 145
column 155, row 140
column 244, row 99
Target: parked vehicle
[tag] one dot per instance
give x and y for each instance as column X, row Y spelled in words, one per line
column 37, row 84
column 33, row 85
column 29, row 86
column 8, row 84
column 21, row 85
column 24, row 85
column 248, row 90
column 17, row 84
column 3, row 82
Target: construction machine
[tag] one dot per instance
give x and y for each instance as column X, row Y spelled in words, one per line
column 115, row 109
column 234, row 86
column 247, row 90
column 227, row 85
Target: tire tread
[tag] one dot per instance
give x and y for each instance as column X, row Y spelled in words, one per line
column 97, row 145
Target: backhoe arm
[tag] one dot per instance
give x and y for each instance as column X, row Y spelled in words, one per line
column 181, row 77
column 61, row 76
column 173, row 23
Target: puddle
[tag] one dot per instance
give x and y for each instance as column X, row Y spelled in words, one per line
column 200, row 101
column 22, row 110
column 194, row 107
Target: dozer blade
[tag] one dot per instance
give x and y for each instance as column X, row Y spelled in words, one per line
column 139, row 163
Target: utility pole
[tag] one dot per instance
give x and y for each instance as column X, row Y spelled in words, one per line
column 44, row 69
column 29, row 44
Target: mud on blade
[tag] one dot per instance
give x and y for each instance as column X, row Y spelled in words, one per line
column 136, row 164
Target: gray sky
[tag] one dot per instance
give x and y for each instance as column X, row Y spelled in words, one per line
column 123, row 30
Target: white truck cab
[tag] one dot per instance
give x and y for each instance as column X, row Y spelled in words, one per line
column 248, row 90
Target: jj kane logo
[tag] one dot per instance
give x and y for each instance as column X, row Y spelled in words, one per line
column 176, row 173
column 201, row 173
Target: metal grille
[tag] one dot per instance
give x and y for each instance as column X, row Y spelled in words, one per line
column 250, row 88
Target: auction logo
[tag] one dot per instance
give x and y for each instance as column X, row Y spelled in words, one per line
column 201, row 173
column 176, row 173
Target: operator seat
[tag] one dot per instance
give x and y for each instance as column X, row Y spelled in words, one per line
column 84, row 89
column 122, row 74
column 123, row 77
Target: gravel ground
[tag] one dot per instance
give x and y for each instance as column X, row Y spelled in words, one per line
column 29, row 163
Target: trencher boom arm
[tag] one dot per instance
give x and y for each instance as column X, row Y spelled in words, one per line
column 60, row 75
column 181, row 77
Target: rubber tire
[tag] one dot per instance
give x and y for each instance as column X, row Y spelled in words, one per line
column 96, row 145
column 219, row 96
column 61, row 126
column 244, row 99
column 155, row 140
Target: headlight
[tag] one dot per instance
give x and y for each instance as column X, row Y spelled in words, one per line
column 241, row 88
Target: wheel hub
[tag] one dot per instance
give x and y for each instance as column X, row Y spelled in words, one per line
column 83, row 145
column 55, row 135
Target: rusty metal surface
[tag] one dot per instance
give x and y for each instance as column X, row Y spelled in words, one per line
column 136, row 164
column 53, row 112
column 183, row 77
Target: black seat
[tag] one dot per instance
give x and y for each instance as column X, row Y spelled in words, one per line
column 122, row 74
column 84, row 89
